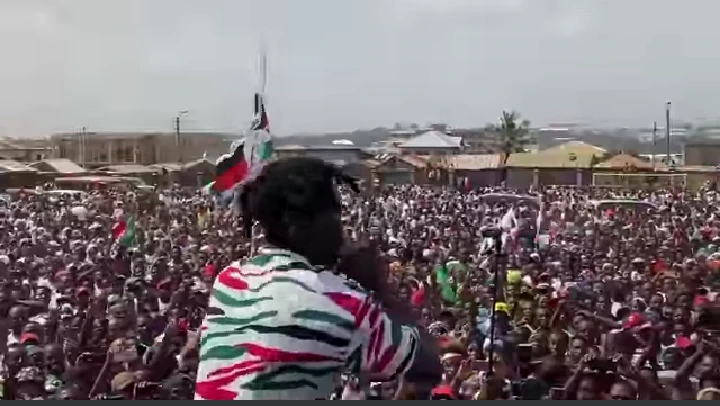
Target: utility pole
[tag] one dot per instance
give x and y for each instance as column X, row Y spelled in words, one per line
column 83, row 140
column 178, row 144
column 654, row 140
column 177, row 138
column 79, row 147
column 667, row 134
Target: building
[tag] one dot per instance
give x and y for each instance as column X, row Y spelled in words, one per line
column 702, row 151
column 340, row 155
column 566, row 164
column 24, row 150
column 59, row 166
column 475, row 170
column 432, row 143
column 478, row 140
column 99, row 149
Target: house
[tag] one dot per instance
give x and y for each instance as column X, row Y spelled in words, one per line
column 339, row 155
column 432, row 143
column 24, row 150
column 60, row 166
column 629, row 171
column 548, row 167
column 478, row 140
column 627, row 164
column 701, row 151
column 97, row 149
column 576, row 148
column 197, row 173
column 478, row 170
column 398, row 170
column 14, row 174
column 146, row 173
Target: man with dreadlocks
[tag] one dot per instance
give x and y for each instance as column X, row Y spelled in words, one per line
column 285, row 323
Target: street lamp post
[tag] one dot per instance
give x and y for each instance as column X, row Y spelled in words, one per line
column 667, row 132
column 177, row 134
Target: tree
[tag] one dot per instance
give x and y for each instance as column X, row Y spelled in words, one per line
column 513, row 134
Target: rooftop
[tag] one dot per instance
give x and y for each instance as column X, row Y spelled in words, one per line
column 9, row 165
column 141, row 134
column 474, row 162
column 61, row 165
column 129, row 168
column 7, row 143
column 433, row 139
column 545, row 159
column 624, row 160
column 576, row 148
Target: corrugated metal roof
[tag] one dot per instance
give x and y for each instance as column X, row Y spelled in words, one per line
column 433, row 139
column 8, row 143
column 60, row 165
column 623, row 160
column 413, row 160
column 577, row 148
column 9, row 165
column 545, row 159
column 474, row 162
column 693, row 168
column 142, row 134
column 130, row 168
column 170, row 167
column 372, row 163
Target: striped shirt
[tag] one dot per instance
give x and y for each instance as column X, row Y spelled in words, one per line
column 278, row 328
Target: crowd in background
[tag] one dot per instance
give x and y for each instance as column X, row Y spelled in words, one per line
column 103, row 293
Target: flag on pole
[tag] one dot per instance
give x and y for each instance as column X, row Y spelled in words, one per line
column 119, row 228
column 248, row 156
column 447, row 291
column 127, row 238
column 258, row 148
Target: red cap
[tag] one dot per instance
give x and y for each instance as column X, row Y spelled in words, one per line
column 683, row 342
column 27, row 337
column 443, row 390
column 700, row 301
column 634, row 320
column 82, row 290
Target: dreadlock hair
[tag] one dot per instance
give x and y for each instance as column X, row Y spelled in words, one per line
column 288, row 190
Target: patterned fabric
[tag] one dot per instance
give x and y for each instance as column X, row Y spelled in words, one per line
column 277, row 328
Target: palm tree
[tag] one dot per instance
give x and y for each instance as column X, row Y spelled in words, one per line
column 513, row 134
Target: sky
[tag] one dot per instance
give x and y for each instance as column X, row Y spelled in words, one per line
column 340, row 65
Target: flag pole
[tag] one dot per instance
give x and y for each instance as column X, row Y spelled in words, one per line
column 258, row 113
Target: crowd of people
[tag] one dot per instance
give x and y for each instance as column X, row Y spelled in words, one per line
column 535, row 294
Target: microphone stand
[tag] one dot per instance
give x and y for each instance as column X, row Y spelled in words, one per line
column 497, row 255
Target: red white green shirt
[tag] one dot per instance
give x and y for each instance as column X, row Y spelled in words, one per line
column 278, row 328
